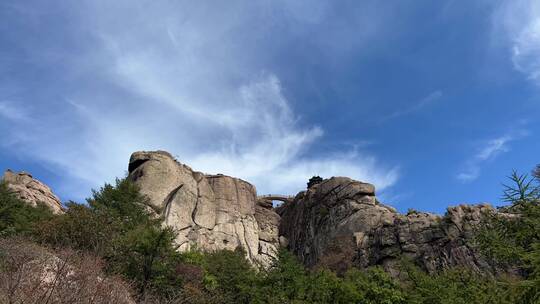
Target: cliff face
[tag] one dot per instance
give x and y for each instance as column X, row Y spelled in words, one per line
column 209, row 212
column 339, row 223
column 32, row 191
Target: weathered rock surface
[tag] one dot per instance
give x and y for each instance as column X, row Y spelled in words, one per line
column 210, row 212
column 32, row 191
column 340, row 223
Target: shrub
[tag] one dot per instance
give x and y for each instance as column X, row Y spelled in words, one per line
column 16, row 216
column 33, row 274
column 117, row 226
column 455, row 286
column 375, row 286
column 145, row 255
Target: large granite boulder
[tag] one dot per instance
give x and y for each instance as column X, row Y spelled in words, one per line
column 339, row 223
column 208, row 212
column 32, row 191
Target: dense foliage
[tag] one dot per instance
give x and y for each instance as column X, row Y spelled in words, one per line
column 513, row 241
column 116, row 226
column 17, row 217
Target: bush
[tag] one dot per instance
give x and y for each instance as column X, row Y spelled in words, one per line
column 33, row 274
column 375, row 286
column 145, row 255
column 117, row 226
column 79, row 228
column 230, row 274
column 287, row 281
column 16, row 216
column 115, row 235
column 457, row 286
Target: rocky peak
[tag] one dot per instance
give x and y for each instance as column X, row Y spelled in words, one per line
column 339, row 223
column 31, row 190
column 209, row 212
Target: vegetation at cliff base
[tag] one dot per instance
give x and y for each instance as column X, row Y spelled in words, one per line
column 116, row 237
column 16, row 216
column 513, row 241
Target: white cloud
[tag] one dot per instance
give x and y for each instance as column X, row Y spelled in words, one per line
column 490, row 150
column 190, row 80
column 520, row 20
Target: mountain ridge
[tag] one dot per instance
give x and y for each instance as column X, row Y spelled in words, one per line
column 337, row 222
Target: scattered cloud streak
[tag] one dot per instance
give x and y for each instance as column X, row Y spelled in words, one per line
column 12, row 112
column 190, row 80
column 430, row 99
column 489, row 151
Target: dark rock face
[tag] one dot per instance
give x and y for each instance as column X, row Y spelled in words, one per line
column 339, row 223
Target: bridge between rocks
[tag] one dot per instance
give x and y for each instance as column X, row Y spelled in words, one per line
column 277, row 197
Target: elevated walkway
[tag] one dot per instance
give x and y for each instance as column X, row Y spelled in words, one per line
column 276, row 197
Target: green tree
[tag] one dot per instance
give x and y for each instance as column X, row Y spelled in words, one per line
column 375, row 286
column 286, row 280
column 79, row 228
column 117, row 225
column 18, row 217
column 110, row 213
column 231, row 274
column 513, row 240
column 457, row 286
column 146, row 256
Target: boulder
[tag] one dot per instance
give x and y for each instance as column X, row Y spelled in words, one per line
column 208, row 212
column 32, row 191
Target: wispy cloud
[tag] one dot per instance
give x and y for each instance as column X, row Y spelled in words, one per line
column 489, row 151
column 12, row 112
column 418, row 106
column 190, row 80
column 520, row 21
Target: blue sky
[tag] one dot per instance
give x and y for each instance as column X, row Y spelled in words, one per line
column 434, row 102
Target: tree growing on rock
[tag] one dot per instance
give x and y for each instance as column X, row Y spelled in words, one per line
column 314, row 181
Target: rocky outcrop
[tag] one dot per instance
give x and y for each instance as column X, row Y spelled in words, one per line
column 336, row 222
column 209, row 212
column 32, row 191
column 339, row 223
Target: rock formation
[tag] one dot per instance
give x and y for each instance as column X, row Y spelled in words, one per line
column 209, row 212
column 339, row 223
column 32, row 191
column 336, row 222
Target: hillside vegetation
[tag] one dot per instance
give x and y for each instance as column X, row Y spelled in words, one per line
column 111, row 250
